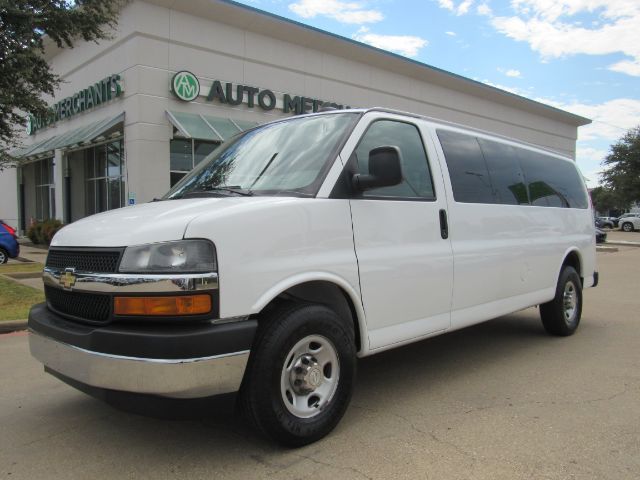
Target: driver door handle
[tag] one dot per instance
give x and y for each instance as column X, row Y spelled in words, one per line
column 444, row 225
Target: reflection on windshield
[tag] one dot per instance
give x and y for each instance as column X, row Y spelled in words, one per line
column 287, row 156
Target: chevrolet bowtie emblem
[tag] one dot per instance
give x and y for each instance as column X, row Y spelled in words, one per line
column 68, row 279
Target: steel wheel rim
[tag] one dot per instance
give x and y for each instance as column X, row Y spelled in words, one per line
column 570, row 301
column 310, row 376
column 2, row 257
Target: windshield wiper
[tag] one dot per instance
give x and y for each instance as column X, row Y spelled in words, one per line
column 265, row 168
column 235, row 189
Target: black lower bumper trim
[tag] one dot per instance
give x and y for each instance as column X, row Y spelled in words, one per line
column 146, row 340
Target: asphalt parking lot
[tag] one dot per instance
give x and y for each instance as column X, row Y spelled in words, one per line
column 497, row 401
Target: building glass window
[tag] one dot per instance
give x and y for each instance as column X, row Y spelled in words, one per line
column 186, row 153
column 45, row 190
column 104, row 168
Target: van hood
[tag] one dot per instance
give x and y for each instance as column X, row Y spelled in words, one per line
column 146, row 223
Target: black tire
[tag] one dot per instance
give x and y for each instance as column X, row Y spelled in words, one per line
column 557, row 316
column 262, row 398
column 4, row 256
column 627, row 227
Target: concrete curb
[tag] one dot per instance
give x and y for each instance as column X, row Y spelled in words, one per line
column 12, row 326
column 622, row 243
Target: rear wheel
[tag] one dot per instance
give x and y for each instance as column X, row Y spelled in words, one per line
column 300, row 375
column 561, row 316
column 4, row 256
column 627, row 227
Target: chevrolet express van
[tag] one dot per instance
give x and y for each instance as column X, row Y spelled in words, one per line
column 302, row 244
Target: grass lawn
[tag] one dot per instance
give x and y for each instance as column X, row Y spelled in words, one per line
column 21, row 268
column 16, row 299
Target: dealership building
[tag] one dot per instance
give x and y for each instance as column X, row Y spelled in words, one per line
column 137, row 112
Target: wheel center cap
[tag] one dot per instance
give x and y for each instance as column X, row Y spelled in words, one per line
column 314, row 377
column 306, row 375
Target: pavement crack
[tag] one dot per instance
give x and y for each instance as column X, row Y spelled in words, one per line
column 439, row 440
column 552, row 402
column 330, row 465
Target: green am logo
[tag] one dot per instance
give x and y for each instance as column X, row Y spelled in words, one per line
column 29, row 125
column 185, row 86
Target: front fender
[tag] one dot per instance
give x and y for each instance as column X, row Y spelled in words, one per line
column 299, row 279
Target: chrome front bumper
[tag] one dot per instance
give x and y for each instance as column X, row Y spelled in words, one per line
column 130, row 283
column 175, row 378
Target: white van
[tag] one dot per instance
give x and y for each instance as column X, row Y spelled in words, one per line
column 302, row 244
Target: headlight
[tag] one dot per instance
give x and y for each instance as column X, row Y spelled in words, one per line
column 183, row 256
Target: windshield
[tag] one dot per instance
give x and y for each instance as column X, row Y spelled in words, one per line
column 289, row 157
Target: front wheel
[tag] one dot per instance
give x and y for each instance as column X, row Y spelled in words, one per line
column 627, row 227
column 300, row 375
column 561, row 316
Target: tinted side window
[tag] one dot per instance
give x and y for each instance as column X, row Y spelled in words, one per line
column 417, row 181
column 470, row 178
column 506, row 175
column 552, row 182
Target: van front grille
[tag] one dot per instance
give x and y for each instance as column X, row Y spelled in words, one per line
column 95, row 261
column 87, row 307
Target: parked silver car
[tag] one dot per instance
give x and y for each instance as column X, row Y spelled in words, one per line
column 629, row 223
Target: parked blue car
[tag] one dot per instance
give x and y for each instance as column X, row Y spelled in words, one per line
column 9, row 247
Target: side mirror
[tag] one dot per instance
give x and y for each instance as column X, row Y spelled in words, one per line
column 385, row 169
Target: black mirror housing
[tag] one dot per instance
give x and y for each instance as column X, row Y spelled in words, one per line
column 385, row 169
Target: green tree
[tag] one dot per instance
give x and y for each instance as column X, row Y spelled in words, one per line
column 622, row 174
column 25, row 76
column 605, row 199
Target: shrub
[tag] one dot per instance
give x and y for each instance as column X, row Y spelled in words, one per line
column 43, row 232
column 33, row 232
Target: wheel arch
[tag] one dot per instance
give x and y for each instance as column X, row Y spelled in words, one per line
column 573, row 258
column 325, row 289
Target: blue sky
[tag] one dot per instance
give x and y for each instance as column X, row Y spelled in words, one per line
column 582, row 56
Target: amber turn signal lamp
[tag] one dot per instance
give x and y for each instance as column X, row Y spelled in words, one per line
column 162, row 306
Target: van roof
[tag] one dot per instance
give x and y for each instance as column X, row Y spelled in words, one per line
column 444, row 123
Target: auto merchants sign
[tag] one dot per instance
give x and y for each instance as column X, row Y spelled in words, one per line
column 186, row 86
column 100, row 92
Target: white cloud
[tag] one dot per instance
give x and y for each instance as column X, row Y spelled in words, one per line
column 344, row 12
column 511, row 72
column 589, row 159
column 462, row 8
column 590, row 154
column 484, row 9
column 550, row 28
column 451, row 34
column 630, row 67
column 611, row 119
column 406, row 45
column 447, row 4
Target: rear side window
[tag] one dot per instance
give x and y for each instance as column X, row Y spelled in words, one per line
column 469, row 174
column 552, row 182
column 507, row 179
column 484, row 171
column 417, row 181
